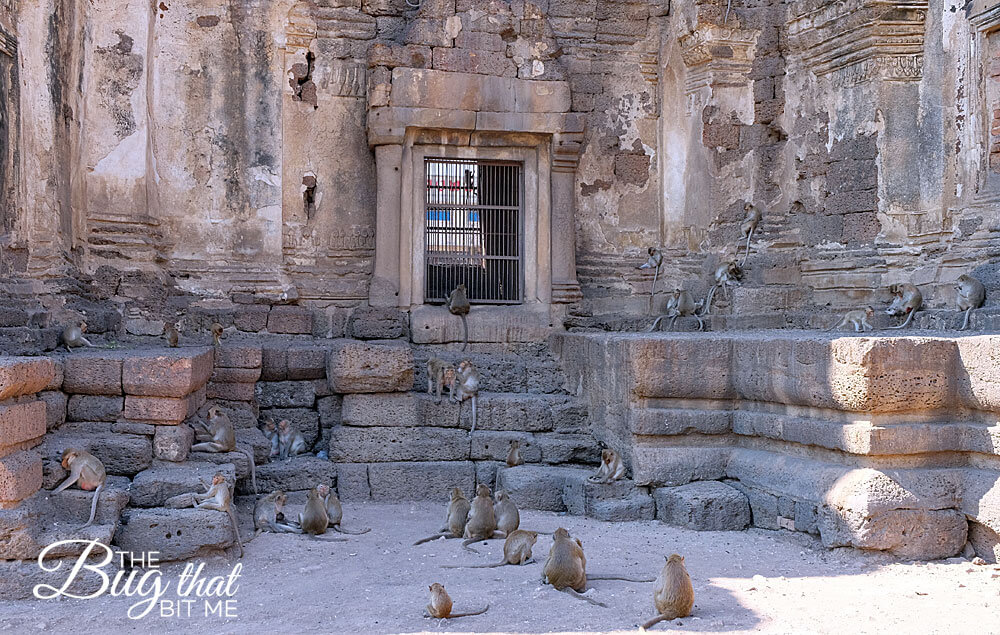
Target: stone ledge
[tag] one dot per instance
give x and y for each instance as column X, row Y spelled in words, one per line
column 522, row 323
column 25, row 375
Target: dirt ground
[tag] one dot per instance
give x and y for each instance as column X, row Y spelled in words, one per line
column 755, row 581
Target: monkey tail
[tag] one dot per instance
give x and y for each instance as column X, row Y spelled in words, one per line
column 747, row 254
column 248, row 451
column 444, row 534
column 351, row 533
column 465, row 331
column 909, row 316
column 473, row 566
column 840, row 323
column 93, row 505
column 583, row 597
column 654, row 621
column 706, row 307
column 236, row 528
column 623, row 578
column 470, row 614
column 965, row 323
column 469, row 541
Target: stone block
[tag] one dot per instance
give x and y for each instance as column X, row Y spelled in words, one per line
column 306, row 362
column 222, row 375
column 394, row 482
column 251, row 318
column 486, row 473
column 156, row 410
column 495, row 446
column 568, row 448
column 539, row 486
column 290, row 319
column 358, row 367
column 55, row 408
column 168, row 373
column 24, row 375
column 806, row 517
column 238, row 356
column 368, row 445
column 330, row 411
column 295, row 474
column 93, row 374
column 176, row 534
column 352, row 482
column 94, row 408
column 671, row 466
column 172, row 443
column 703, row 506
column 153, row 486
column 274, row 363
column 20, row 476
column 285, row 394
column 613, row 502
column 56, row 383
column 378, row 323
column 20, row 422
column 230, row 392
column 121, row 454
column 125, row 427
column 569, row 417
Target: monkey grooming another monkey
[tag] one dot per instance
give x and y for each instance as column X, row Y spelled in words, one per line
column 219, row 436
column 505, row 512
column 72, row 336
column 267, row 511
column 458, row 516
column 482, row 522
column 87, row 471
column 516, row 551
column 971, row 295
column 170, row 332
column 458, row 304
column 907, row 302
column 682, row 305
column 271, row 433
column 466, row 386
column 748, row 226
column 858, row 318
column 290, row 440
column 674, row 595
column 217, row 330
column 335, row 512
column 220, row 498
column 566, row 567
column 440, row 606
column 612, row 468
column 514, row 456
column 439, row 374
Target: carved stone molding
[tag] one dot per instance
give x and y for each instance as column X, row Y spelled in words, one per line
column 8, row 45
column 301, row 29
column 717, row 56
column 566, row 148
column 858, row 41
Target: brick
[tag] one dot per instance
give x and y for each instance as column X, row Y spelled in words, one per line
column 375, row 323
column 478, row 62
column 230, row 392
column 173, row 374
column 391, row 56
column 290, row 319
column 20, row 476
column 55, row 408
column 285, row 394
column 21, row 422
column 24, row 376
column 330, row 409
column 94, row 408
column 156, row 410
column 426, row 480
column 235, row 375
column 172, row 443
column 251, row 318
column 364, row 445
column 237, row 356
column 306, row 362
column 362, row 367
column 274, row 364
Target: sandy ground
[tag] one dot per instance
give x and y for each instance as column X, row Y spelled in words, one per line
column 755, row 581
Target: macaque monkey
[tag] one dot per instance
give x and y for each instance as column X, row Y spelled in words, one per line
column 907, row 302
column 482, row 522
column 566, row 567
column 219, row 436
column 505, row 512
column 314, row 519
column 466, row 386
column 674, row 595
column 216, row 334
column 72, row 336
column 271, row 433
column 439, row 374
column 269, row 514
column 681, row 304
column 858, row 319
column 440, row 606
column 170, row 332
column 612, row 468
column 220, row 498
column 87, row 471
column 971, row 295
column 458, row 304
column 335, row 512
column 514, row 456
column 654, row 262
column 748, row 226
column 516, row 551
column 290, row 440
column 458, row 516
column 726, row 275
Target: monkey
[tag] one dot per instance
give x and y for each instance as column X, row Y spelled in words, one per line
column 220, row 498
column 439, row 374
column 87, row 471
column 290, row 440
column 971, row 295
column 726, row 275
column 907, row 302
column 219, row 436
column 858, row 318
column 674, row 595
column 566, row 567
column 516, row 551
column 514, row 456
column 505, row 512
column 482, row 522
column 72, row 336
column 681, row 304
column 748, row 226
column 612, row 468
column 458, row 516
column 466, row 386
column 314, row 519
column 654, row 262
column 216, row 334
column 271, row 433
column 335, row 512
column 268, row 510
column 458, row 304
column 171, row 334
column 440, row 606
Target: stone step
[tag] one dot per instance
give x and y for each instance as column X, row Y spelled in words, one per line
column 176, row 534
column 294, row 474
column 534, row 371
column 703, row 506
column 164, row 479
column 121, row 454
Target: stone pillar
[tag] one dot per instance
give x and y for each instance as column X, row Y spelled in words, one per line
column 384, row 288
column 565, row 159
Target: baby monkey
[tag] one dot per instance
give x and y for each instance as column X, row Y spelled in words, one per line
column 440, row 605
column 516, row 551
column 514, row 456
column 87, row 471
column 290, row 440
column 858, row 319
column 72, row 336
column 271, row 434
column 170, row 332
column 439, row 374
column 612, row 468
column 216, row 334
column 220, row 498
column 674, row 595
column 971, row 295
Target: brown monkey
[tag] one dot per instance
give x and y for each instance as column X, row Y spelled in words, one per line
column 748, row 226
column 674, row 595
column 458, row 304
column 72, row 336
column 314, row 518
column 612, row 468
column 514, row 456
column 971, row 295
column 516, row 551
column 219, row 436
column 726, row 275
column 170, row 332
column 505, row 511
column 458, row 515
column 220, row 498
column 858, row 319
column 466, row 386
column 566, row 567
column 87, row 471
column 681, row 304
column 271, row 433
column 335, row 512
column 654, row 262
column 440, row 606
column 290, row 440
column 267, row 511
column 439, row 374
column 482, row 522
column 216, row 334
column 907, row 302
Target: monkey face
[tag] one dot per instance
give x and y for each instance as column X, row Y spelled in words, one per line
column 68, row 456
column 323, row 490
column 218, row 479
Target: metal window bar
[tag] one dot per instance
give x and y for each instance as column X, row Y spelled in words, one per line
column 474, row 230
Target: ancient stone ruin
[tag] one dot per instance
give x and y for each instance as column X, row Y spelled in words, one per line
column 317, row 177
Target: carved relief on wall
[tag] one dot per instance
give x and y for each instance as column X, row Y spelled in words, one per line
column 715, row 56
column 8, row 132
